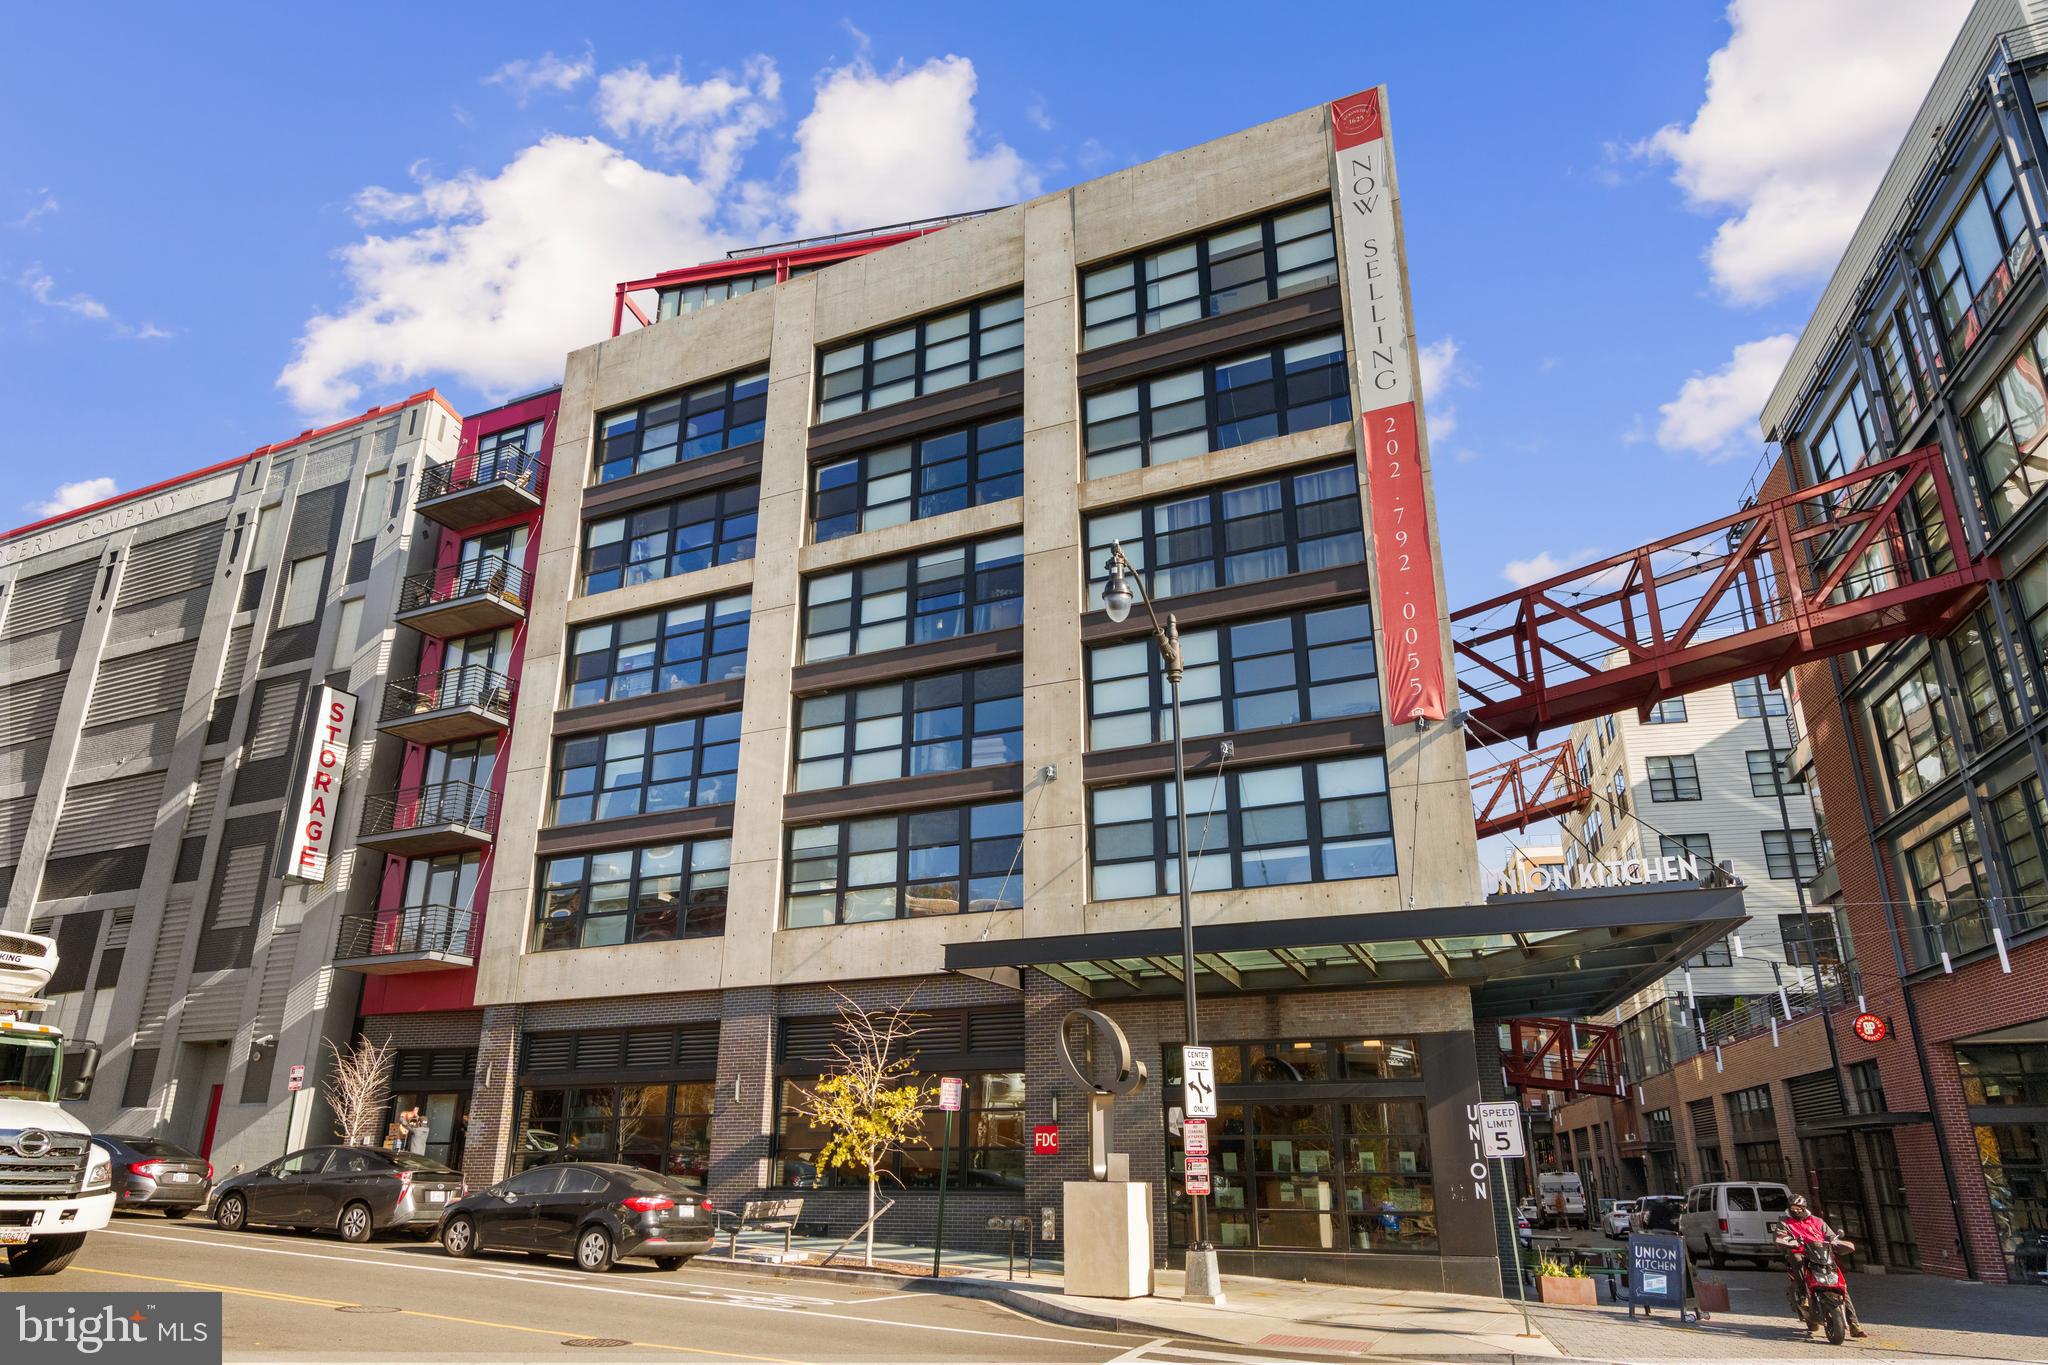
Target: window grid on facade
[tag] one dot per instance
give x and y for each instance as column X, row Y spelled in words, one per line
column 905, row 866
column 1669, row 711
column 659, row 651
column 2008, row 430
column 1241, row 676
column 1790, row 854
column 1848, row 438
column 1298, row 386
column 930, row 355
column 1277, row 826
column 1984, row 676
column 935, row 724
column 1753, row 700
column 1904, row 367
column 658, row 1127
column 941, row 594
column 1949, row 890
column 688, row 298
column 1673, row 777
column 669, row 539
column 1913, row 741
column 647, row 769
column 680, row 427
column 1764, row 778
column 1976, row 259
column 1295, row 523
column 1219, row 272
column 634, row 895
column 927, row 477
column 988, row 1149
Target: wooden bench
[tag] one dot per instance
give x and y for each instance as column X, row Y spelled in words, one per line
column 767, row 1215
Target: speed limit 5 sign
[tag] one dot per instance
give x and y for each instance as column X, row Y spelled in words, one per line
column 1500, row 1131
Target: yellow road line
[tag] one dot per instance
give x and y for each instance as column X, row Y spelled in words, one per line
column 420, row 1313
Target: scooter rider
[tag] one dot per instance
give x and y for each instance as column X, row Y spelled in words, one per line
column 1804, row 1225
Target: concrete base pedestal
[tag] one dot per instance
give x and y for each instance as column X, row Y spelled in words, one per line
column 1108, row 1241
column 1204, row 1282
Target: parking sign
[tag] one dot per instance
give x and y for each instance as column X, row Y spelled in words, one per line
column 1198, row 1175
column 949, row 1093
column 1194, row 1136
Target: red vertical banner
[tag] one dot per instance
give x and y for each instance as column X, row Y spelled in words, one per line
column 1404, row 566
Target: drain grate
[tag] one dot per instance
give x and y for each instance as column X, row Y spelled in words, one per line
column 367, row 1308
column 597, row 1341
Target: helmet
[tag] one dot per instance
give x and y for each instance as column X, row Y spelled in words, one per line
column 1799, row 1205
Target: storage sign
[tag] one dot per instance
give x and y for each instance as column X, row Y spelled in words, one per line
column 312, row 836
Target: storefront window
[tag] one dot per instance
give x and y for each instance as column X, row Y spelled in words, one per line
column 989, row 1140
column 2006, row 1085
column 657, row 1127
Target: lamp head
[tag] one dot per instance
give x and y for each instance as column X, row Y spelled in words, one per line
column 1116, row 594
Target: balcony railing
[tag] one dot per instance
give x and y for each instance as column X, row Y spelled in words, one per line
column 507, row 465
column 493, row 576
column 459, row 806
column 443, row 931
column 465, row 685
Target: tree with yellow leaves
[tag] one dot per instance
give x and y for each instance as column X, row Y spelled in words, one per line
column 870, row 1102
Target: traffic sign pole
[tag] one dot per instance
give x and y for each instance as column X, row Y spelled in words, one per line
column 949, row 1101
column 1515, row 1242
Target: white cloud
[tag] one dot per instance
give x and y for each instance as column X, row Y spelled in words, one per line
column 888, row 147
column 1037, row 117
column 45, row 205
column 713, row 121
column 43, row 289
column 72, row 496
column 529, row 76
column 497, row 276
column 1442, row 372
column 1805, row 106
column 1715, row 414
column 1544, row 564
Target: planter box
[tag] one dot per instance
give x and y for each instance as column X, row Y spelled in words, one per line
column 1580, row 1291
column 1713, row 1295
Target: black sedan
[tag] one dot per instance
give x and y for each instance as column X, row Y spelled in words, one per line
column 152, row 1173
column 594, row 1212
column 357, row 1191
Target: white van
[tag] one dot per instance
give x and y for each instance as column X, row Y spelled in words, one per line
column 1734, row 1219
column 1551, row 1186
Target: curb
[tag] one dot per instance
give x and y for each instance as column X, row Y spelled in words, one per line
column 967, row 1287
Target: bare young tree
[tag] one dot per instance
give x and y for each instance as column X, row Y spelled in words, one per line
column 358, row 1086
column 869, row 1102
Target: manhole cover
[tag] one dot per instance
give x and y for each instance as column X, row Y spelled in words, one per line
column 366, row 1308
column 597, row 1341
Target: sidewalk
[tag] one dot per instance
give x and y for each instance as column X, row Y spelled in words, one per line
column 1337, row 1320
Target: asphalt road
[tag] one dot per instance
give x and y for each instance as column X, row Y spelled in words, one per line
column 299, row 1297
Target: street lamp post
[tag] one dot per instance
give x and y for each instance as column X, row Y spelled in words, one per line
column 1203, row 1282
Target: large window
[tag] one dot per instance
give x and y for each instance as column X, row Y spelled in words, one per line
column 1313, row 822
column 300, row 600
column 1221, row 272
column 658, row 1127
column 670, row 539
column 1310, row 666
column 938, row 724
column 939, row 595
column 2006, row 433
column 2032, row 585
column 496, row 446
column 688, row 298
column 2022, row 818
column 1949, row 889
column 634, row 895
column 1698, row 846
column 1913, row 739
column 1673, row 777
column 659, row 651
column 1790, row 854
column 1247, row 534
column 1984, row 673
column 1298, row 386
column 1974, row 263
column 989, row 1139
column 1753, row 700
column 933, row 862
column 927, row 477
column 1820, row 948
column 1848, row 438
column 1903, row 366
column 682, row 426
column 647, row 769
column 1765, row 778
column 928, row 356
column 1670, row 711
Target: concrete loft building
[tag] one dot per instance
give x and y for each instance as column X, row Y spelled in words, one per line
column 817, row 700
column 1696, row 778
column 160, row 658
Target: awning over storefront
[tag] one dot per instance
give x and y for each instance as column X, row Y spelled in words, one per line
column 1558, row 953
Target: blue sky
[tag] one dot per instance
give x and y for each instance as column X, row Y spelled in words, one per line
column 243, row 226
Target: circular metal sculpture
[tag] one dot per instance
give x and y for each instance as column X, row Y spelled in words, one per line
column 1129, row 1078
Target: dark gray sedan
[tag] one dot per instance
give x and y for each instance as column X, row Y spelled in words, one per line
column 356, row 1191
column 151, row 1173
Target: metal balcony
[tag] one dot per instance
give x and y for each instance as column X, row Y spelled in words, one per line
column 418, row 822
column 466, row 702
column 473, row 490
column 464, row 599
column 415, row 938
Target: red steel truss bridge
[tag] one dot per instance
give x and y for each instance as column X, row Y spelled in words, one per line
column 1855, row 561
